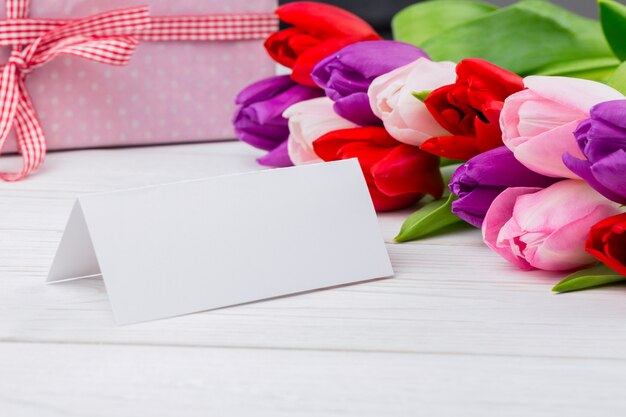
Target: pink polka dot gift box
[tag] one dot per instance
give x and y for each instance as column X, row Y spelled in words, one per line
column 89, row 73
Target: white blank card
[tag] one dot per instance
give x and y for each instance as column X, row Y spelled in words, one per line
column 197, row 245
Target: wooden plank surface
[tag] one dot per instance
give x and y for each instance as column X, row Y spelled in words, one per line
column 457, row 331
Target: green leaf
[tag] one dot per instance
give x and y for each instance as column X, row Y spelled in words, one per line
column 448, row 167
column 432, row 218
column 523, row 37
column 618, row 79
column 445, row 162
column 417, row 23
column 588, row 278
column 596, row 69
column 613, row 19
column 421, row 95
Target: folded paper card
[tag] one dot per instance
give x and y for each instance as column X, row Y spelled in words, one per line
column 196, row 245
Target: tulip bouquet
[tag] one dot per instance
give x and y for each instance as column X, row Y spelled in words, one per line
column 534, row 137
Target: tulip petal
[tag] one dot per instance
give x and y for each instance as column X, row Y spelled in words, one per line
column 548, row 228
column 538, row 115
column 574, row 93
column 309, row 120
column 367, row 155
column 615, row 251
column 470, row 108
column 613, row 112
column 448, row 116
column 263, row 90
column 610, row 172
column 347, row 74
column 565, row 248
column 488, row 134
column 337, row 79
column 479, row 181
column 356, row 108
column 473, row 205
column 319, row 30
column 452, row 147
column 271, row 109
column 544, row 153
column 303, row 66
column 499, row 167
column 573, row 198
column 607, row 242
column 364, row 59
column 397, row 175
column 407, row 169
column 277, row 158
column 329, row 145
column 498, row 216
column 487, row 82
column 383, row 202
column 391, row 98
column 324, row 20
column 510, row 117
column 583, row 169
column 538, row 124
column 259, row 121
column 598, row 138
column 368, row 144
column 265, row 137
column 282, row 49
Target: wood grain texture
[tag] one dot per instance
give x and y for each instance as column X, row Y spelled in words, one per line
column 456, row 332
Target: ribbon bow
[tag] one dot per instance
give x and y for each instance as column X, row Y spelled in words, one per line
column 104, row 37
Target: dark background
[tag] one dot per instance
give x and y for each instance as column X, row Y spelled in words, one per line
column 379, row 12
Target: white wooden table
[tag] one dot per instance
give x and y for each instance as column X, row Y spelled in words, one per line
column 457, row 331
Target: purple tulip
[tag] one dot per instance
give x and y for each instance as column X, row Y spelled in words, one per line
column 346, row 75
column 481, row 179
column 602, row 139
column 259, row 121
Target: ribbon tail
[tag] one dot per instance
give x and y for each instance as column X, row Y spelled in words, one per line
column 9, row 97
column 30, row 137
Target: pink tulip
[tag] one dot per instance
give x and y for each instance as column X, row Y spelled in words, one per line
column 308, row 121
column 538, row 123
column 535, row 228
column 405, row 117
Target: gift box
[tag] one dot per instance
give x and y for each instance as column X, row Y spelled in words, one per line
column 177, row 86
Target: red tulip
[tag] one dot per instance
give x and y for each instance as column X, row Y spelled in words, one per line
column 318, row 30
column 397, row 174
column 470, row 109
column 607, row 242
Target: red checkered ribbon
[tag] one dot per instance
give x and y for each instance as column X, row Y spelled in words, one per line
column 109, row 38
